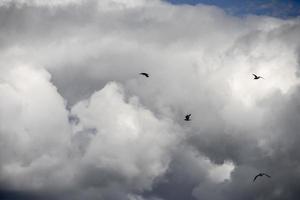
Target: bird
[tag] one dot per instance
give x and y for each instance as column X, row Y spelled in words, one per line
column 257, row 77
column 261, row 174
column 188, row 117
column 145, row 74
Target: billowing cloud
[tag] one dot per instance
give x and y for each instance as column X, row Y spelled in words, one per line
column 104, row 141
column 77, row 121
column 35, row 133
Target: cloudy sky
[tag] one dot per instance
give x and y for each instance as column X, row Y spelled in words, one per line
column 276, row 8
column 78, row 122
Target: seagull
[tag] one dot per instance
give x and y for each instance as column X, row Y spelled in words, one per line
column 145, row 74
column 261, row 174
column 257, row 77
column 187, row 117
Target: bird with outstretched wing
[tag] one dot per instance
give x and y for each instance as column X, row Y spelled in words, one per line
column 188, row 117
column 261, row 175
column 145, row 74
column 257, row 77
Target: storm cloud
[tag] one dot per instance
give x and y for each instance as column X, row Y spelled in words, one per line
column 77, row 121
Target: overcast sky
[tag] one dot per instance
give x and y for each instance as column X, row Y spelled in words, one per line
column 78, row 122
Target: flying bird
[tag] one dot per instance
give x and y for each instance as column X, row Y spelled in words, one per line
column 261, row 174
column 188, row 117
column 145, row 74
column 257, row 77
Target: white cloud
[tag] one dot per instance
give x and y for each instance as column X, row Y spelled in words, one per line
column 124, row 4
column 129, row 140
column 85, row 121
column 220, row 173
column 103, row 4
column 35, row 133
column 113, row 135
column 49, row 3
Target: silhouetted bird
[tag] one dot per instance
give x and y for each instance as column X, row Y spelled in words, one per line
column 261, row 174
column 145, row 74
column 188, row 117
column 257, row 77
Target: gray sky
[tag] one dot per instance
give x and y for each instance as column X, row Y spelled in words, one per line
column 77, row 121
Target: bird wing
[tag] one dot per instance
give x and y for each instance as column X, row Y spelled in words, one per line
column 187, row 117
column 145, row 74
column 255, row 76
column 267, row 175
column 255, row 177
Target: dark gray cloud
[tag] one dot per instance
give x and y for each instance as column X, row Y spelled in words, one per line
column 78, row 122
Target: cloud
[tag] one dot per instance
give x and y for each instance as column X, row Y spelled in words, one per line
column 78, row 122
column 113, row 143
column 35, row 133
column 128, row 142
column 40, row 2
